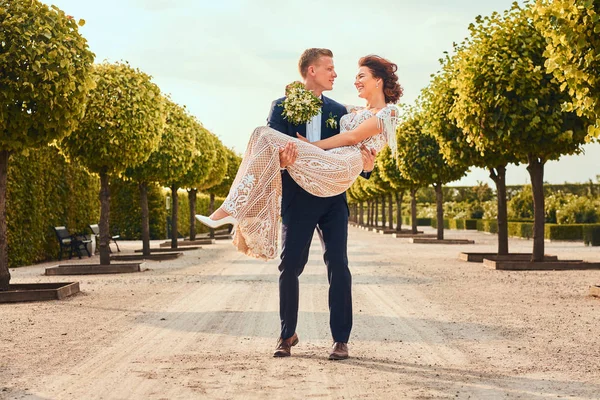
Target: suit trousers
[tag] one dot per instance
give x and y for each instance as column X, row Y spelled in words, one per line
column 329, row 216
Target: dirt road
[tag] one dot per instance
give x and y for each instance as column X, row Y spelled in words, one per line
column 426, row 325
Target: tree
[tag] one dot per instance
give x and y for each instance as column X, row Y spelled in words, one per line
column 508, row 101
column 233, row 164
column 419, row 160
column 439, row 100
column 45, row 69
column 358, row 194
column 162, row 165
column 175, row 156
column 122, row 126
column 200, row 171
column 390, row 173
column 572, row 32
column 216, row 176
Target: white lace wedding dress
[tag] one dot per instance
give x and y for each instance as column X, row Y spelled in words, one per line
column 255, row 196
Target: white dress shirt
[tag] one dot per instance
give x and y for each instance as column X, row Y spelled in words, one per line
column 313, row 127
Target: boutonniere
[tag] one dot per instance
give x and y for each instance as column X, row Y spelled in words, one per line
column 331, row 121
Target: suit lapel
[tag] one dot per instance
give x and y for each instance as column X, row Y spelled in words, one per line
column 301, row 129
column 325, row 131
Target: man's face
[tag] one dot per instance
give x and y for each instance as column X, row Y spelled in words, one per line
column 323, row 73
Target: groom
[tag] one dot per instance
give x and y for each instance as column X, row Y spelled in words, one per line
column 302, row 212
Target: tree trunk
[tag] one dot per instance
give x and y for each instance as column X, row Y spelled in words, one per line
column 145, row 219
column 390, row 211
column 376, row 213
column 536, row 172
column 368, row 213
column 399, row 198
column 413, row 210
column 372, row 213
column 192, row 195
column 361, row 213
column 104, row 219
column 439, row 200
column 211, row 209
column 4, row 272
column 383, row 216
column 174, row 213
column 498, row 175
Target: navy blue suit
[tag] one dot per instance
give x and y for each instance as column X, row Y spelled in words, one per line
column 301, row 213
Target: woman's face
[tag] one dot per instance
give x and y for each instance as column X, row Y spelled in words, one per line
column 365, row 83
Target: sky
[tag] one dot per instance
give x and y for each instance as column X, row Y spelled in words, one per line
column 227, row 60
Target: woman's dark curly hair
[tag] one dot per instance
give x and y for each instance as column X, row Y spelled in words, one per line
column 385, row 70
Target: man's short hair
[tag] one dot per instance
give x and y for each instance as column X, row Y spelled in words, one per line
column 310, row 57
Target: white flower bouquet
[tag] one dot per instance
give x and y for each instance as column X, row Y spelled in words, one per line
column 300, row 104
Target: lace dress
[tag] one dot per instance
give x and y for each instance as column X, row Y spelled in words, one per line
column 255, row 195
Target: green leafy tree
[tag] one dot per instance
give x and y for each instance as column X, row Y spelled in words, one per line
column 199, row 172
column 508, row 101
column 233, row 164
column 385, row 190
column 376, row 187
column 389, row 171
column 358, row 194
column 168, row 162
column 122, row 126
column 572, row 32
column 217, row 174
column 439, row 100
column 420, row 160
column 45, row 69
column 175, row 157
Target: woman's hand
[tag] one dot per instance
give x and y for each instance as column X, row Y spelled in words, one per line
column 299, row 136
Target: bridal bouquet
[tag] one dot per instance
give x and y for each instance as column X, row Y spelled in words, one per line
column 300, row 104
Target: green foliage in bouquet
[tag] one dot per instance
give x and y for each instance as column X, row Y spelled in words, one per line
column 300, row 104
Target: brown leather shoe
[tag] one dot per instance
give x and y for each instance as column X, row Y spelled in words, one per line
column 284, row 347
column 339, row 351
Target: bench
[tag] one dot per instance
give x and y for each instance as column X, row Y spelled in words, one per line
column 95, row 228
column 73, row 243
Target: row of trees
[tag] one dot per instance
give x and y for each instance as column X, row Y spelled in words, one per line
column 523, row 88
column 111, row 118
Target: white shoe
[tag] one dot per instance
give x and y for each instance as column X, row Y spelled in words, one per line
column 212, row 223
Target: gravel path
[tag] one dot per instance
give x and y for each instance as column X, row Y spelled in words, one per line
column 204, row 326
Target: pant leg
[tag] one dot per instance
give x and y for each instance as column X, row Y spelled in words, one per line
column 333, row 231
column 298, row 226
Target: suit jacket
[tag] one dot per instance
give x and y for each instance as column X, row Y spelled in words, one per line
column 276, row 121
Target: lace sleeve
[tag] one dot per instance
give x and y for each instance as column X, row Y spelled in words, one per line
column 387, row 120
column 351, row 108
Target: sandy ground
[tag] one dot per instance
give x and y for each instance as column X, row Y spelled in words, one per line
column 204, row 326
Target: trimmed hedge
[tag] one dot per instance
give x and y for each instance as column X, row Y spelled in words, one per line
column 420, row 221
column 564, row 232
column 520, row 229
column 183, row 217
column 44, row 190
column 433, row 223
column 126, row 213
column 451, row 223
column 470, row 224
column 591, row 234
column 487, row 225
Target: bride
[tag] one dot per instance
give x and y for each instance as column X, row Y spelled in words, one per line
column 323, row 168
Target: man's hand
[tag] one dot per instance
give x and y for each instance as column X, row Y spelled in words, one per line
column 368, row 158
column 288, row 155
